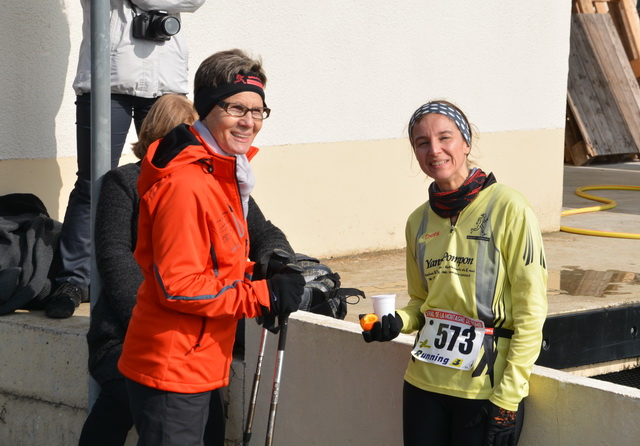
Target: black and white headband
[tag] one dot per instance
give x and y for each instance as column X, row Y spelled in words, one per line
column 446, row 110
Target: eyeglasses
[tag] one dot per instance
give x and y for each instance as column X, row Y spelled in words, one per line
column 239, row 110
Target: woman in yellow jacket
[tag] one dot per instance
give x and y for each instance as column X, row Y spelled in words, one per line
column 477, row 284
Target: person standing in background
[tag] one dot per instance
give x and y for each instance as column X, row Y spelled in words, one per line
column 149, row 58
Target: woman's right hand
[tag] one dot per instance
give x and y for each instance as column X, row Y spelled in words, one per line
column 285, row 289
column 385, row 329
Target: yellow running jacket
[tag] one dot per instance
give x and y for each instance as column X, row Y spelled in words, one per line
column 490, row 266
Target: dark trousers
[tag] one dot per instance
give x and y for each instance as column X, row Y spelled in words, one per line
column 176, row 419
column 440, row 420
column 110, row 419
column 75, row 237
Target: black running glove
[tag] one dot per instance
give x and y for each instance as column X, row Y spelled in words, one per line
column 501, row 425
column 285, row 289
column 269, row 265
column 386, row 329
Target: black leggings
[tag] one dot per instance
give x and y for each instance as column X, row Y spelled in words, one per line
column 434, row 419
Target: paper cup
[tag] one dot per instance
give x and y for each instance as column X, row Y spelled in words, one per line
column 384, row 304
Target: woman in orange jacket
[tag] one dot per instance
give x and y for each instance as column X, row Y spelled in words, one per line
column 193, row 249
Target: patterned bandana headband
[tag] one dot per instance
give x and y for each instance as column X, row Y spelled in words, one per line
column 442, row 109
column 208, row 97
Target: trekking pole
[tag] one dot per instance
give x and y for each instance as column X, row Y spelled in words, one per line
column 254, row 390
column 283, row 256
column 283, row 322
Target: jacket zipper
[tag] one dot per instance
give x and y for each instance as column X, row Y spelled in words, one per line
column 201, row 335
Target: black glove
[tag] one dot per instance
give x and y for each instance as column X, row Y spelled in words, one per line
column 268, row 321
column 501, row 425
column 285, row 289
column 270, row 264
column 385, row 329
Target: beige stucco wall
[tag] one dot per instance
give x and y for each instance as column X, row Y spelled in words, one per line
column 344, row 77
column 342, row 198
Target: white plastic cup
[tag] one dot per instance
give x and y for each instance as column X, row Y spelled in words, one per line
column 384, row 304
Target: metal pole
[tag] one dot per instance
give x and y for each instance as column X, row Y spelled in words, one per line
column 100, row 133
column 283, row 323
column 254, row 390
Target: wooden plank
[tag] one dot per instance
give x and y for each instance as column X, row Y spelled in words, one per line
column 600, row 40
column 624, row 14
column 635, row 66
column 583, row 6
column 621, row 22
column 579, row 154
column 628, row 96
column 599, row 95
column 587, row 88
column 624, row 86
column 576, row 151
column 629, row 11
column 581, row 96
column 571, row 130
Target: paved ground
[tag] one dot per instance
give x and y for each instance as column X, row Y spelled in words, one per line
column 585, row 271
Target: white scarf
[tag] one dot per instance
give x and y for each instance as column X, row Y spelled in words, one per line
column 244, row 172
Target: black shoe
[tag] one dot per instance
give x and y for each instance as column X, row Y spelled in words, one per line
column 64, row 301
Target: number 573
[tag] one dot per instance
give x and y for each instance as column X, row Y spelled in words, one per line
column 449, row 335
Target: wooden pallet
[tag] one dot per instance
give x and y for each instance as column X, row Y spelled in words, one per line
column 603, row 96
column 624, row 14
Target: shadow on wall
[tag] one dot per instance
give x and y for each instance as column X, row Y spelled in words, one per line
column 34, row 58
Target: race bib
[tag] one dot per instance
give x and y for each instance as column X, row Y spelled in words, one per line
column 449, row 339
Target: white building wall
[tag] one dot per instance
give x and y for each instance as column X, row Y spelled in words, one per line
column 344, row 78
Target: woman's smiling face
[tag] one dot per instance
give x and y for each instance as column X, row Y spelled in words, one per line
column 234, row 134
column 441, row 150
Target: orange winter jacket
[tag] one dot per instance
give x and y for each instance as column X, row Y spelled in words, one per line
column 193, row 249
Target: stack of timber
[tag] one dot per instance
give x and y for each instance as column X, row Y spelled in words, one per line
column 624, row 14
column 603, row 99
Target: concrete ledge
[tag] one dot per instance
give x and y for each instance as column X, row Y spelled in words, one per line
column 338, row 390
column 45, row 359
column 335, row 389
column 44, row 390
column 565, row 409
column 44, row 386
column 28, row 422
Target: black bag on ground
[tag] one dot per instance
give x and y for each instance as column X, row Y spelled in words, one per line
column 322, row 292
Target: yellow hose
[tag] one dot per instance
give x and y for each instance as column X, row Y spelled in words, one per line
column 610, row 205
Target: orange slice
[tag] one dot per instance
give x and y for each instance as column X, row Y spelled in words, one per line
column 367, row 321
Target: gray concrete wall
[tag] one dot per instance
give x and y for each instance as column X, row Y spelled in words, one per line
column 335, row 389
column 44, row 387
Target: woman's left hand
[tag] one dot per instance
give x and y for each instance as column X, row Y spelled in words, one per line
column 501, row 425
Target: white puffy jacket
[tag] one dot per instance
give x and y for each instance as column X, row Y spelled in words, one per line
column 139, row 67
